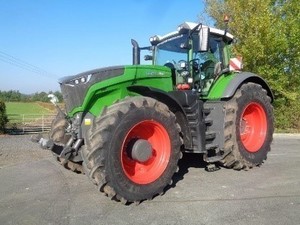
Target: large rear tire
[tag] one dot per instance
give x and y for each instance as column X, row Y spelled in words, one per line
column 132, row 150
column 248, row 127
column 59, row 137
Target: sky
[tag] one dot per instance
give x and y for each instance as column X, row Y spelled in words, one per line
column 44, row 40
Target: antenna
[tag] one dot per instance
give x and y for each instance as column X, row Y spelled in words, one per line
column 226, row 21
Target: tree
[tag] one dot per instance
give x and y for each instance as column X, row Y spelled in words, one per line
column 268, row 34
column 10, row 96
column 3, row 117
column 16, row 96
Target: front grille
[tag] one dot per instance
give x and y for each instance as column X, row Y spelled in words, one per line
column 73, row 96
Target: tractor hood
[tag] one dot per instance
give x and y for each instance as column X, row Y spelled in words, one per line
column 92, row 76
column 75, row 87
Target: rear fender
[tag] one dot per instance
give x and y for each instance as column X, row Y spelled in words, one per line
column 242, row 78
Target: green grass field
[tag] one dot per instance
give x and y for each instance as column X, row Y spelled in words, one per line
column 25, row 115
column 26, row 108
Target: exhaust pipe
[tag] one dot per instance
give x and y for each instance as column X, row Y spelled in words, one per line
column 135, row 52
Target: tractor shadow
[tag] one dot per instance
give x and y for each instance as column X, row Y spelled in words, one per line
column 189, row 160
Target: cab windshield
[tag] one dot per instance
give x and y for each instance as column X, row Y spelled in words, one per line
column 169, row 51
column 202, row 68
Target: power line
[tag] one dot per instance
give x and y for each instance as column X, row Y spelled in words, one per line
column 14, row 63
column 24, row 65
column 4, row 57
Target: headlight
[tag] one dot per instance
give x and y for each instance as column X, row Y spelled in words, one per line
column 79, row 80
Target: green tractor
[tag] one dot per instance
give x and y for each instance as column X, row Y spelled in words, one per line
column 126, row 127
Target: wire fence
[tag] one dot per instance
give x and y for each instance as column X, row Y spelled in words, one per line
column 29, row 123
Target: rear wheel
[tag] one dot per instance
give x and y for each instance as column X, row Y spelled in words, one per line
column 132, row 149
column 248, row 127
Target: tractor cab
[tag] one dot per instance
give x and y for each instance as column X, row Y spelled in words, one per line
column 196, row 54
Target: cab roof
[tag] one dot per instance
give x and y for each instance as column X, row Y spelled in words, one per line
column 187, row 26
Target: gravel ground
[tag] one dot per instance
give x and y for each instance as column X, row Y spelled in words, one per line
column 18, row 149
column 34, row 189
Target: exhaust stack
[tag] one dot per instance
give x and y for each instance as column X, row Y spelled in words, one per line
column 135, row 52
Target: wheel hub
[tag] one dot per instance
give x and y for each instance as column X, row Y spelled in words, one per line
column 141, row 150
column 253, row 127
column 146, row 152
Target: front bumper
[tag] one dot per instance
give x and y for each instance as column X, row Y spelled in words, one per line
column 69, row 151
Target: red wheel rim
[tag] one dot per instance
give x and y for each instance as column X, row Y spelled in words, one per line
column 154, row 167
column 253, row 127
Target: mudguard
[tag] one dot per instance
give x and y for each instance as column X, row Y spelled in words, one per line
column 245, row 77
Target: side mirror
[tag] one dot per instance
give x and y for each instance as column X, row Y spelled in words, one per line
column 148, row 57
column 203, row 39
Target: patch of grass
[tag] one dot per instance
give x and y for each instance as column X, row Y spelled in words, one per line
column 50, row 106
column 26, row 108
column 22, row 114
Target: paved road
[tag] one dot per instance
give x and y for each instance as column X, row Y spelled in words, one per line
column 34, row 189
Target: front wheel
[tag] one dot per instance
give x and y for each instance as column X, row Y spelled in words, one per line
column 58, row 136
column 248, row 127
column 132, row 149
